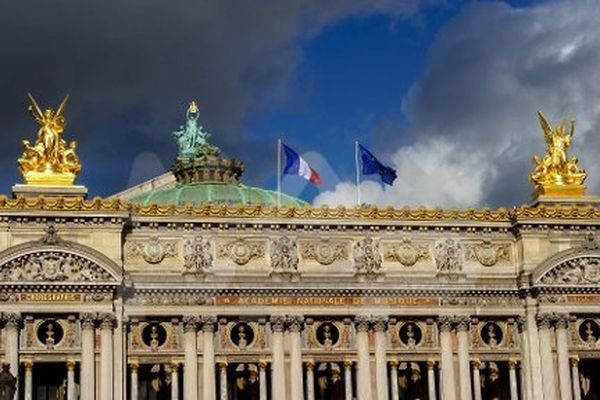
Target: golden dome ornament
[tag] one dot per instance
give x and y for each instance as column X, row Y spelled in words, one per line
column 50, row 161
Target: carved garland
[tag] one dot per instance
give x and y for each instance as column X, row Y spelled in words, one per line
column 325, row 252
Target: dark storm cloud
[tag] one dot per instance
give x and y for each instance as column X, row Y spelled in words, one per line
column 131, row 66
column 473, row 126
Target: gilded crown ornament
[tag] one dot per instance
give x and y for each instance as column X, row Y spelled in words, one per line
column 50, row 161
column 557, row 174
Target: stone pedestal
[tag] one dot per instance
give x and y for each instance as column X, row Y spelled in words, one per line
column 22, row 190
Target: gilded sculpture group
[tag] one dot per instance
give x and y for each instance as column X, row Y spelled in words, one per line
column 53, row 161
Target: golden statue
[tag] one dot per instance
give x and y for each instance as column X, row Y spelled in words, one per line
column 556, row 174
column 50, row 161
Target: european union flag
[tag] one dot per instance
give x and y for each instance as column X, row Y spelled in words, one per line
column 371, row 165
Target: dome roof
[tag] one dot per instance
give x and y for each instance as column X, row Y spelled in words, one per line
column 213, row 193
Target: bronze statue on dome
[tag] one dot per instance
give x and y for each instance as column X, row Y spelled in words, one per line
column 557, row 173
column 191, row 137
column 50, row 160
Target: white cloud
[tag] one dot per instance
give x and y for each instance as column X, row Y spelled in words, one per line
column 472, row 113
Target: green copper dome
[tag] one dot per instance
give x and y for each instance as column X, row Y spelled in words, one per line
column 202, row 176
column 213, row 193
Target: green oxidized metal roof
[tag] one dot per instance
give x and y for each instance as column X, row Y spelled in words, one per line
column 213, row 193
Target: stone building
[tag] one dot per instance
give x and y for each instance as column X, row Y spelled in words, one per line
column 194, row 286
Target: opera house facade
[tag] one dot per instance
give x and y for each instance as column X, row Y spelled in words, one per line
column 194, row 286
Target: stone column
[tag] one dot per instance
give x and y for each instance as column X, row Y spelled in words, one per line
column 549, row 388
column 208, row 358
column 278, row 358
column 512, row 377
column 310, row 380
column 363, row 365
column 296, row 374
column 71, row 392
column 348, row 380
column 393, row 380
column 430, row 380
column 190, row 366
column 535, row 364
column 174, row 381
column 223, row 381
column 87, row 384
column 464, row 373
column 447, row 359
column 575, row 378
column 526, row 382
column 133, row 368
column 12, row 325
column 562, row 353
column 476, row 365
column 28, row 379
column 380, row 325
column 106, row 356
column 262, row 380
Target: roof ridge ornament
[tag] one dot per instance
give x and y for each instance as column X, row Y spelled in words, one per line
column 556, row 174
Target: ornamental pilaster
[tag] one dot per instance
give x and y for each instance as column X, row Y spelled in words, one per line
column 521, row 323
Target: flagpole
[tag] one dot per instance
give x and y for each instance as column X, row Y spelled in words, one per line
column 356, row 163
column 278, row 172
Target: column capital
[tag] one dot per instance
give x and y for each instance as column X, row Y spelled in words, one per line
column 362, row 323
column 88, row 320
column 190, row 323
column 347, row 364
column 134, row 365
column 476, row 363
column 223, row 366
column 380, row 323
column 208, row 323
column 71, row 365
column 310, row 365
column 262, row 366
column 445, row 323
column 278, row 323
column 544, row 320
column 174, row 366
column 107, row 320
column 393, row 364
column 12, row 320
column 431, row 364
column 462, row 323
column 512, row 363
column 574, row 360
column 28, row 364
column 295, row 323
column 561, row 321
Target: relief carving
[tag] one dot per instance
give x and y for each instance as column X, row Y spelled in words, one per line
column 325, row 252
column 406, row 253
column 367, row 260
column 585, row 270
column 241, row 251
column 197, row 255
column 284, row 256
column 153, row 250
column 53, row 266
column 448, row 256
column 488, row 254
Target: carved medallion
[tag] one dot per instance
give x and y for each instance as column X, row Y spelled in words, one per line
column 488, row 254
column 327, row 335
column 242, row 335
column 410, row 334
column 154, row 335
column 589, row 332
column 241, row 251
column 491, row 334
column 153, row 250
column 50, row 333
column 406, row 253
column 325, row 252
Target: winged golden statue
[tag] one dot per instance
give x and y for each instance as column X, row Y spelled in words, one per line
column 50, row 160
column 556, row 173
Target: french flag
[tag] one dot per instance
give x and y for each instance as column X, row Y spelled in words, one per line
column 296, row 165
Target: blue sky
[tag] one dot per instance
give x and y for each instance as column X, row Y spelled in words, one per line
column 445, row 92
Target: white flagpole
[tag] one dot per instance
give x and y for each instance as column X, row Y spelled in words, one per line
column 356, row 162
column 279, row 173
